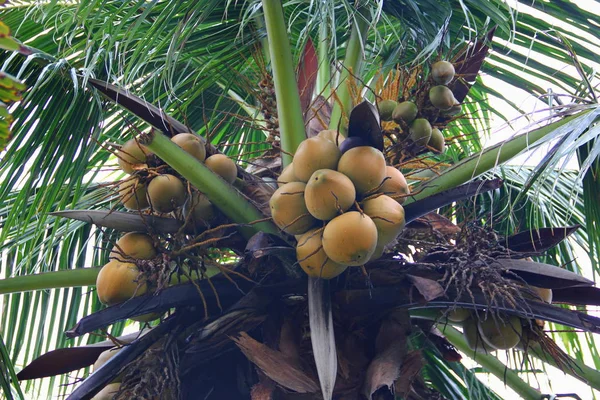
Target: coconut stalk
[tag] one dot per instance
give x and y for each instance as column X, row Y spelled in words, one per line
column 230, row 201
column 324, row 71
column 478, row 164
column 289, row 110
column 50, row 280
column 352, row 63
column 492, row 364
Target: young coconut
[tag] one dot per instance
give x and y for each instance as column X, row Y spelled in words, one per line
column 288, row 209
column 132, row 156
column 442, row 97
column 386, row 109
column 365, row 166
column 420, row 131
column 313, row 154
column 192, row 144
column 133, row 245
column 119, row 281
column 166, row 193
column 388, row 216
column 313, row 259
column 287, row 175
column 332, row 135
column 395, row 185
column 104, row 357
column 350, row 238
column 502, row 334
column 132, row 193
column 473, row 338
column 223, row 166
column 458, row 314
column 442, row 72
column 436, row 141
column 452, row 111
column 108, row 392
column 202, row 211
column 328, row 193
column 406, row 111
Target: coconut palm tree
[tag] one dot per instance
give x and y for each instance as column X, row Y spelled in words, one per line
column 253, row 79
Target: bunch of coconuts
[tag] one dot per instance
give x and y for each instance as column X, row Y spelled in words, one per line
column 484, row 332
column 343, row 208
column 121, row 278
column 407, row 113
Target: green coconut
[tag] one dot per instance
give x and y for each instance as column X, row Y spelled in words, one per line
column 132, row 156
column 502, row 334
column 406, row 111
column 192, row 144
column 166, row 193
column 223, row 166
column 132, row 193
column 420, row 131
column 441, row 97
column 442, row 72
column 437, row 141
column 386, row 109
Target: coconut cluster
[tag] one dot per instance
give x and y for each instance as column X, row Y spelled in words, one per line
column 343, row 208
column 486, row 332
column 167, row 192
column 418, row 122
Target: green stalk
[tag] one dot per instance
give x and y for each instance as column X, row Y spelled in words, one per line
column 230, row 201
column 492, row 364
column 324, row 71
column 289, row 111
column 264, row 41
column 50, row 280
column 352, row 62
column 477, row 164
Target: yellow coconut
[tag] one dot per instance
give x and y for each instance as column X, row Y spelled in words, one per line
column 395, row 185
column 104, row 357
column 313, row 259
column 313, row 154
column 132, row 156
column 332, row 135
column 365, row 166
column 328, row 193
column 222, row 165
column 132, row 193
column 501, row 333
column 287, row 175
column 388, row 216
column 166, row 193
column 192, row 144
column 288, row 209
column 350, row 239
column 119, row 281
column 134, row 245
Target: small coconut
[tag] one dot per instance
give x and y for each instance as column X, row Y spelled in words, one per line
column 132, row 156
column 134, row 245
column 350, row 238
column 222, row 165
column 406, row 111
column 192, row 144
column 108, row 392
column 441, row 97
column 502, row 334
column 458, row 314
column 202, row 211
column 313, row 154
column 288, row 209
column 436, row 141
column 395, row 185
column 328, row 193
column 166, row 193
column 287, row 175
column 313, row 259
column 420, row 131
column 388, row 216
column 333, row 136
column 386, row 109
column 119, row 281
column 132, row 193
column 365, row 166
column 544, row 294
column 442, row 72
column 452, row 111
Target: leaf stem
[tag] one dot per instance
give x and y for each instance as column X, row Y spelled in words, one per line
column 324, row 71
column 50, row 280
column 289, row 111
